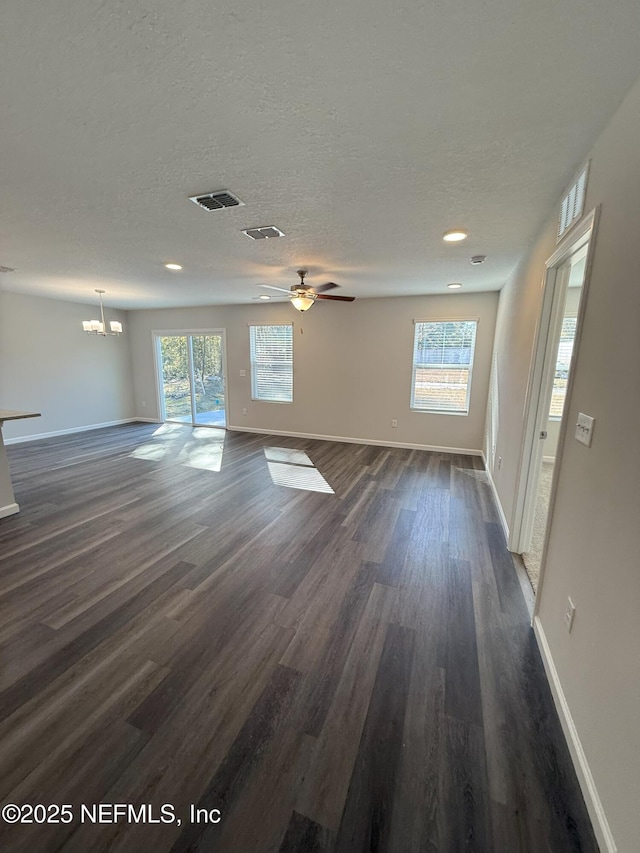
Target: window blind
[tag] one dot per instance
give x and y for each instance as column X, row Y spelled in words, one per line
column 271, row 352
column 442, row 363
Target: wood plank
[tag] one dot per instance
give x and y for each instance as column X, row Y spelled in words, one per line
column 246, row 752
column 368, row 811
column 462, row 674
column 305, row 836
column 323, row 794
column 465, row 817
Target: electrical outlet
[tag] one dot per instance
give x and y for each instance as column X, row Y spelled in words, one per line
column 569, row 614
column 394, row 423
column 144, row 404
column 244, row 411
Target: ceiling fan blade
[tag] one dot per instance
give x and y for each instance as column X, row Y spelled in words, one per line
column 328, row 286
column 271, row 287
column 337, row 298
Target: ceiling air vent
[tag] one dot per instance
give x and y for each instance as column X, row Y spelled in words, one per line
column 7, row 269
column 263, row 233
column 572, row 203
column 217, row 200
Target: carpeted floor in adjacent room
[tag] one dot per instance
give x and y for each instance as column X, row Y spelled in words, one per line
column 533, row 558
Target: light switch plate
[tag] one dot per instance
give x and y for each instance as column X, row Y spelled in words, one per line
column 569, row 615
column 243, row 373
column 584, row 429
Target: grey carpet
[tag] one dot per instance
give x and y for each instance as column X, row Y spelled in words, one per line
column 533, row 558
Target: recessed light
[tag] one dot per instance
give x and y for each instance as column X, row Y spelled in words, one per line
column 454, row 285
column 454, row 236
column 173, row 266
column 264, row 296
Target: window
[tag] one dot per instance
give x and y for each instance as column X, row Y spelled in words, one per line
column 271, row 350
column 442, row 362
column 563, row 362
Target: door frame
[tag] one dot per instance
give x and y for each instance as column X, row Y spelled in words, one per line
column 156, row 334
column 539, row 386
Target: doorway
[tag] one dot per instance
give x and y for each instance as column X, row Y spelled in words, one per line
column 191, row 377
column 549, row 388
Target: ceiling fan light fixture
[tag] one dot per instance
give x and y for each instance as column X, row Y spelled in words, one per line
column 264, row 296
column 302, row 302
column 455, row 235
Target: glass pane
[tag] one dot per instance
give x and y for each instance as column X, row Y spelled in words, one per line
column 563, row 362
column 271, row 349
column 208, row 379
column 441, row 389
column 175, row 378
column 442, row 362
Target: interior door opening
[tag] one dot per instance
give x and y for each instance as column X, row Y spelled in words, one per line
column 560, row 353
column 191, row 377
column 548, row 392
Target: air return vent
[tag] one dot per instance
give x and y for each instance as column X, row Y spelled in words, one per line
column 7, row 269
column 572, row 203
column 217, row 200
column 264, row 232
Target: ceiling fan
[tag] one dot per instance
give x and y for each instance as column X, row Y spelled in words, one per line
column 303, row 296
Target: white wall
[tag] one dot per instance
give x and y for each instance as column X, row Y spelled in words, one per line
column 594, row 544
column 49, row 365
column 352, row 367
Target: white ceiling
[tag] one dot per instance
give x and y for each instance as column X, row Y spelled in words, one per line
column 362, row 129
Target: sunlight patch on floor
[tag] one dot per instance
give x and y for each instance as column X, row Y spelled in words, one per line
column 298, row 477
column 169, row 431
column 293, row 468
column 199, row 447
column 206, row 457
column 150, row 452
column 287, row 454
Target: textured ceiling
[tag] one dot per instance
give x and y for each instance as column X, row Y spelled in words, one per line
column 363, row 130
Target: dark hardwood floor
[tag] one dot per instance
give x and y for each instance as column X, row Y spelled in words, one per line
column 341, row 672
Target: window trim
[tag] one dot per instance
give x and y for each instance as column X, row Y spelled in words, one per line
column 255, row 399
column 434, row 411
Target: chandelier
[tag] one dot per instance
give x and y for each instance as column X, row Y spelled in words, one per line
column 99, row 327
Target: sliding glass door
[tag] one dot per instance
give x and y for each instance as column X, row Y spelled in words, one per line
column 191, row 377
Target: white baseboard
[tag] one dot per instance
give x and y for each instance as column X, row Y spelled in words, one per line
column 501, row 515
column 465, row 451
column 583, row 772
column 147, row 420
column 69, row 431
column 9, row 509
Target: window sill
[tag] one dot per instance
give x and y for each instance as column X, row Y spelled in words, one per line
column 438, row 412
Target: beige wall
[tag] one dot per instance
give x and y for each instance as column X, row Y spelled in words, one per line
column 594, row 542
column 352, row 367
column 49, row 365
